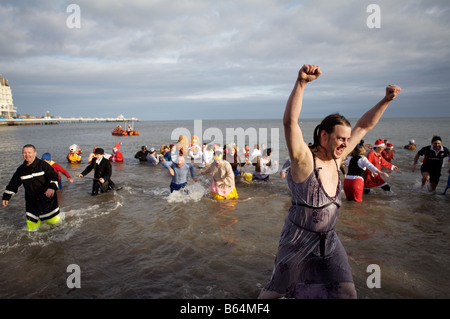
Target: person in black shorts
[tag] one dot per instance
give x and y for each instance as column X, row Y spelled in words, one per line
column 432, row 163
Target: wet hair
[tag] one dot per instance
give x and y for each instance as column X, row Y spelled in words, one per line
column 328, row 125
column 436, row 138
column 29, row 145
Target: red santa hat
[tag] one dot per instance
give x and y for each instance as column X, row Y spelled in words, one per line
column 379, row 143
column 389, row 145
column 117, row 146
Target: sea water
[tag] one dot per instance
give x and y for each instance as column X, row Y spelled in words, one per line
column 144, row 242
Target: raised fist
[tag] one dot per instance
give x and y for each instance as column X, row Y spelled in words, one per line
column 392, row 91
column 308, row 73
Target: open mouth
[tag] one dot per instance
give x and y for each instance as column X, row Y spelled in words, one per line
column 340, row 150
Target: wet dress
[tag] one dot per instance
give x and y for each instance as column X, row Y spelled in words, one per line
column 311, row 261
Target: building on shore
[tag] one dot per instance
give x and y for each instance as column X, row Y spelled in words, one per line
column 7, row 109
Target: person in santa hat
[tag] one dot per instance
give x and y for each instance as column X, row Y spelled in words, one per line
column 388, row 153
column 117, row 155
column 377, row 160
column 358, row 165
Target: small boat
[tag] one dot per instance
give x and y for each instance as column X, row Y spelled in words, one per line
column 119, row 131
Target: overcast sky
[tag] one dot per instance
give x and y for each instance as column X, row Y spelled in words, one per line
column 205, row 59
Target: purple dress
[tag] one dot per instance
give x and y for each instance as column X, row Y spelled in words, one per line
column 311, row 261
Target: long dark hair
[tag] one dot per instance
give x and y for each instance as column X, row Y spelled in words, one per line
column 328, row 125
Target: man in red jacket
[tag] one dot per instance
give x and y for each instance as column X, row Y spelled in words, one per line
column 374, row 157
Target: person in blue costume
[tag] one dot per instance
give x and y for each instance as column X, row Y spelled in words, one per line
column 311, row 261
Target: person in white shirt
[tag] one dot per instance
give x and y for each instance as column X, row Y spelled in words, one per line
column 255, row 153
column 265, row 166
column 207, row 156
column 195, row 153
column 354, row 180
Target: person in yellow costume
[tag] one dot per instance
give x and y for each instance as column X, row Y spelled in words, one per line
column 74, row 155
column 222, row 178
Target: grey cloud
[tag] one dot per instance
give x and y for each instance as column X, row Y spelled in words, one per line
column 244, row 54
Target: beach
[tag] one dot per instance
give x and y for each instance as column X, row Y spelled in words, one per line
column 144, row 242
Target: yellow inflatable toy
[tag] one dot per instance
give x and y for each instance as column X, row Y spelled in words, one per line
column 248, row 177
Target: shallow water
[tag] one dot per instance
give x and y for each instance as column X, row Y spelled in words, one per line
column 143, row 242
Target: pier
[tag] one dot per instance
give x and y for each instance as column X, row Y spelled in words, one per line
column 51, row 121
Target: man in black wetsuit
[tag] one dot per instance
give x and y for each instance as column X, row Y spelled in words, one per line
column 142, row 154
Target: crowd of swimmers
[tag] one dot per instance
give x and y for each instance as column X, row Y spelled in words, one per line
column 229, row 164
column 225, row 165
